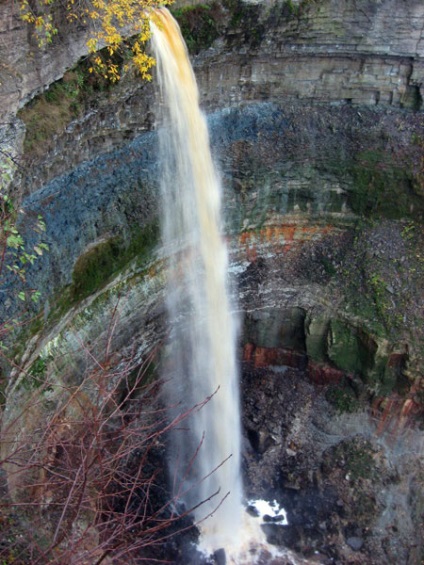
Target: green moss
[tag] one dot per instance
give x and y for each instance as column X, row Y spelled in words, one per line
column 3, row 386
column 362, row 304
column 36, row 376
column 343, row 398
column 291, row 7
column 49, row 113
column 365, row 289
column 363, row 507
column 360, row 462
column 354, row 456
column 350, row 349
column 38, row 368
column 245, row 21
column 329, row 267
column 368, row 190
column 380, row 188
column 95, row 267
column 381, row 185
column 378, row 292
column 200, row 24
column 91, row 273
column 387, row 379
column 412, row 98
column 317, row 330
column 101, row 263
column 295, row 9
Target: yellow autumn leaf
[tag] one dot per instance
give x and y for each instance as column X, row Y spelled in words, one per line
column 111, row 20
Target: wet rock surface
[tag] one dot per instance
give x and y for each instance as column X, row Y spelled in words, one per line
column 347, row 489
column 331, row 376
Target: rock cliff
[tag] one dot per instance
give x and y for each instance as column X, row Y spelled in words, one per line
column 368, row 52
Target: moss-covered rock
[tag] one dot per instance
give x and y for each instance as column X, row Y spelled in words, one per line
column 200, row 24
column 349, row 348
column 102, row 261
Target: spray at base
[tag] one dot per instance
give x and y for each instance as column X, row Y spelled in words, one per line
column 251, row 546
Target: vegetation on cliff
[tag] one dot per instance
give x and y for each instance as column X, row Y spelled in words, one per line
column 16, row 255
column 109, row 24
column 88, row 485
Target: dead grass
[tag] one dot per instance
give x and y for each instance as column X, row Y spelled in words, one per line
column 50, row 113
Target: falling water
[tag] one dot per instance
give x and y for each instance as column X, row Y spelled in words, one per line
column 201, row 359
column 201, row 354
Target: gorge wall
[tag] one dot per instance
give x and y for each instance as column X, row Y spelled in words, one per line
column 315, row 113
column 366, row 52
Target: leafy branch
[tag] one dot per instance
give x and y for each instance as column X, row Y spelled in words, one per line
column 109, row 23
column 15, row 254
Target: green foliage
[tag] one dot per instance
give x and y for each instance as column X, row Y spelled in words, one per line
column 18, row 255
column 343, row 398
column 101, row 263
column 108, row 22
column 35, row 378
column 200, row 24
column 15, row 254
column 38, row 368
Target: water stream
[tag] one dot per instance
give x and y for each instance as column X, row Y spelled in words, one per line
column 200, row 367
column 205, row 462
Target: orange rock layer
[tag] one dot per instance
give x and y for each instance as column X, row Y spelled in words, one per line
column 281, row 238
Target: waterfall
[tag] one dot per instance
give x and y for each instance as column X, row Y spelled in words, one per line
column 201, row 354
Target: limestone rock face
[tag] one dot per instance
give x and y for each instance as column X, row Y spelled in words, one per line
column 326, row 50
column 25, row 69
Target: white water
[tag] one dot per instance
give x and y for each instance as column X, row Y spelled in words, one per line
column 201, row 360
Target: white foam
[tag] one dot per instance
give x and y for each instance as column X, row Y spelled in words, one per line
column 251, row 547
column 272, row 509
